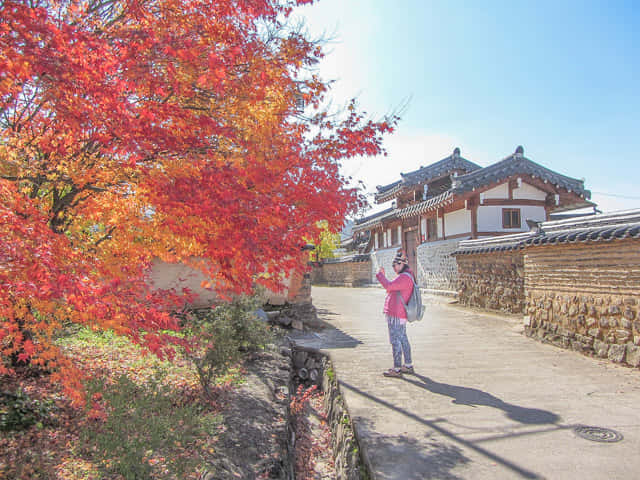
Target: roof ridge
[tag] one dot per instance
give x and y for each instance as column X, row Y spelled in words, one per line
column 594, row 220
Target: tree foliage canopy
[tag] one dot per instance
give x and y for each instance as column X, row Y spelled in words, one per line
column 135, row 129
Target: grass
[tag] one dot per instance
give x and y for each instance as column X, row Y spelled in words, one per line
column 146, row 418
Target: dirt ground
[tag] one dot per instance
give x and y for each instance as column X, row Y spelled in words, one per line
column 253, row 444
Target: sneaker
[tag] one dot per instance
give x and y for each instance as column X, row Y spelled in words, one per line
column 392, row 373
column 404, row 369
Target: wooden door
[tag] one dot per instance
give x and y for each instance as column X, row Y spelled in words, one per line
column 410, row 245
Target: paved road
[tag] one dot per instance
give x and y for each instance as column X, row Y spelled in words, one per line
column 486, row 402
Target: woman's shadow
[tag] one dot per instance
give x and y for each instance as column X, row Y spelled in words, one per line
column 474, row 397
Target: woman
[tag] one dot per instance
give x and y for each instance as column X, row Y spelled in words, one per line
column 396, row 314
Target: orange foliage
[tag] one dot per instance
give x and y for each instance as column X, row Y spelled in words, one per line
column 134, row 129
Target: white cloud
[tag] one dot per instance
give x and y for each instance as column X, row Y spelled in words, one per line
column 407, row 151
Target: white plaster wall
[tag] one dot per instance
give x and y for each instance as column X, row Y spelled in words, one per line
column 501, row 191
column 457, row 222
column 167, row 276
column 529, row 192
column 439, row 222
column 382, row 258
column 490, row 217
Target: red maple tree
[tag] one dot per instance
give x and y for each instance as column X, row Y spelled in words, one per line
column 135, row 129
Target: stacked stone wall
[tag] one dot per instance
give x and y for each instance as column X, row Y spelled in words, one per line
column 382, row 258
column 349, row 273
column 437, row 268
column 492, row 280
column 586, row 297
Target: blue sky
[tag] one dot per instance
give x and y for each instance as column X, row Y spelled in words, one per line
column 560, row 78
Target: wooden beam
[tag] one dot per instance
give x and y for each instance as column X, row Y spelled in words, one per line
column 474, row 221
column 511, row 202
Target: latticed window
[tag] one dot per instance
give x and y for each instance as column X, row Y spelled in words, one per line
column 511, row 218
column 432, row 229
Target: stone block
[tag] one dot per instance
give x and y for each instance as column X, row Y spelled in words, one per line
column 576, row 345
column 591, row 321
column 566, row 332
column 555, row 339
column 600, row 348
column 604, row 322
column 622, row 336
column 595, row 333
column 573, row 310
column 614, row 310
column 585, row 340
column 629, row 301
column 299, row 357
column 593, row 311
column 629, row 314
column 636, row 339
column 624, row 323
column 616, row 353
column 633, row 355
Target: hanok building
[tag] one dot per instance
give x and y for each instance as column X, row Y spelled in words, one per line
column 437, row 206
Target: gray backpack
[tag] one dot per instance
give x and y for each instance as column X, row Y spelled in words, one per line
column 413, row 307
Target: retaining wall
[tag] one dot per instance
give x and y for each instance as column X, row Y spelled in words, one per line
column 382, row 258
column 352, row 271
column 586, row 297
column 492, row 280
column 437, row 268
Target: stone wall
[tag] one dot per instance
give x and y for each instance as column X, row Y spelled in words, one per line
column 492, row 280
column 437, row 268
column 353, row 271
column 382, row 258
column 586, row 297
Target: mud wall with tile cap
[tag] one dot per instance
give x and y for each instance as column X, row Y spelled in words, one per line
column 494, row 281
column 586, row 297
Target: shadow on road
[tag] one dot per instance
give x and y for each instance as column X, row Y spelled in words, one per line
column 398, row 456
column 517, row 470
column 474, row 398
column 324, row 334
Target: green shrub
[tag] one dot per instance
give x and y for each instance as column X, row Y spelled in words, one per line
column 18, row 411
column 223, row 334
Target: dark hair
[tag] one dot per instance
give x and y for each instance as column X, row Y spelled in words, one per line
column 405, row 267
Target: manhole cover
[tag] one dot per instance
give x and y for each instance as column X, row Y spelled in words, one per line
column 597, row 434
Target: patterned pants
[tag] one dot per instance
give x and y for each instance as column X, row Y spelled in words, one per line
column 399, row 342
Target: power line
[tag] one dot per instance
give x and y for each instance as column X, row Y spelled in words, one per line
column 628, row 197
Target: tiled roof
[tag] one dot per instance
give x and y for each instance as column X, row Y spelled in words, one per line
column 593, row 228
column 374, row 220
column 424, row 174
column 360, row 257
column 429, row 204
column 516, row 164
column 493, row 244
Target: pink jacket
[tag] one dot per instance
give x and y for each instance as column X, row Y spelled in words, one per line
column 402, row 284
